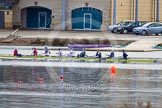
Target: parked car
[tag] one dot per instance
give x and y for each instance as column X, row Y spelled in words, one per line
column 129, row 28
column 149, row 28
column 113, row 28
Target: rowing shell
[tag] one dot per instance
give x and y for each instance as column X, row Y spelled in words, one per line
column 83, row 46
column 84, row 59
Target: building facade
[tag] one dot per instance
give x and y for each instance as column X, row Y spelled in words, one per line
column 6, row 13
column 75, row 14
column 62, row 14
column 142, row 10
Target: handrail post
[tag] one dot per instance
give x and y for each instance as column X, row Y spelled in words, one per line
column 114, row 13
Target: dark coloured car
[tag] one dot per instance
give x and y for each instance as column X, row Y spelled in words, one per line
column 113, row 28
column 129, row 28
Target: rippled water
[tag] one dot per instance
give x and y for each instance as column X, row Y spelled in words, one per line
column 27, row 86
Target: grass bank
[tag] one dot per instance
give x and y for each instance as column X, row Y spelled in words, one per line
column 63, row 41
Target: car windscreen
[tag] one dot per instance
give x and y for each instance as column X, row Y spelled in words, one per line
column 141, row 24
column 120, row 23
column 127, row 23
column 147, row 24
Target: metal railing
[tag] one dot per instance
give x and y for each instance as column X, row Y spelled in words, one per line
column 11, row 37
column 15, row 33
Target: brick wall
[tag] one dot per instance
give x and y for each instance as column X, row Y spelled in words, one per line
column 8, row 19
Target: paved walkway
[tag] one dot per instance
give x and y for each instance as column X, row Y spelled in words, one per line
column 75, row 34
column 143, row 45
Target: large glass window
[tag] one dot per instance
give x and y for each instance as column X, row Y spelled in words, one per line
column 7, row 4
column 2, row 5
column 158, row 25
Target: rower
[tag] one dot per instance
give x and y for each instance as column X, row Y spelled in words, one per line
column 46, row 51
column 124, row 55
column 98, row 54
column 83, row 53
column 15, row 53
column 112, row 55
column 71, row 53
column 59, row 53
column 35, row 52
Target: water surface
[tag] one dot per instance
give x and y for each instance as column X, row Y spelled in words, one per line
column 27, row 86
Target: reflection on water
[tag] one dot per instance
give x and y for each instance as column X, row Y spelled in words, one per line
column 41, row 87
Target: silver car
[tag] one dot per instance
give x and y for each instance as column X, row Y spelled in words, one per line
column 113, row 28
column 149, row 28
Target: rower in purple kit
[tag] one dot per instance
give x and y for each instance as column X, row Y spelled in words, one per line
column 47, row 51
column 59, row 53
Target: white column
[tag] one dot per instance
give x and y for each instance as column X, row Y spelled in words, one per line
column 114, row 13
column 158, row 11
column 63, row 14
column 136, row 18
